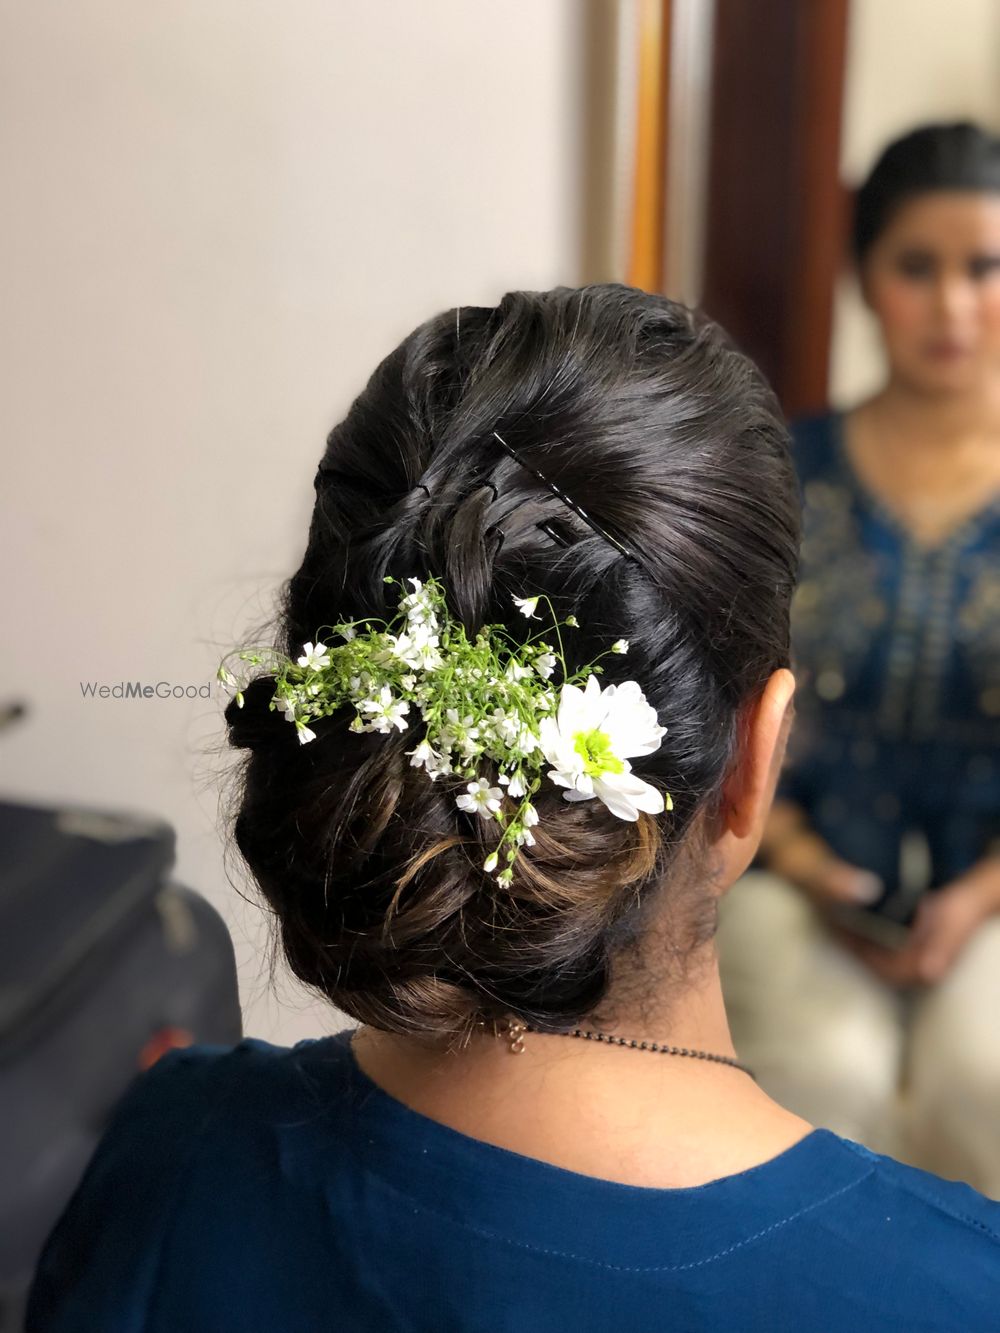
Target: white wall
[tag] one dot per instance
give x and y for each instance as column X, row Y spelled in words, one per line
column 908, row 61
column 217, row 218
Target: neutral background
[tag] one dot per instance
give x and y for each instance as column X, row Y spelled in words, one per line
column 218, row 217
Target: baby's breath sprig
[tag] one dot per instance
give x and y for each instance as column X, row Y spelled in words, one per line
column 485, row 700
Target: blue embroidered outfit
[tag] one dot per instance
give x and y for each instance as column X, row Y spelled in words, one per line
column 898, row 657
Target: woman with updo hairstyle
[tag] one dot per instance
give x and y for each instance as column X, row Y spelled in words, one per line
column 538, row 1119
column 880, row 869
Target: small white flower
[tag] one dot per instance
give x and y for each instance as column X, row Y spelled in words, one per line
column 315, row 656
column 286, row 706
column 527, row 606
column 515, row 785
column 481, row 799
column 408, row 682
column 491, row 863
column 530, row 817
column 422, row 755
column 418, row 606
column 620, row 646
column 429, row 655
column 356, row 725
column 225, row 676
column 527, row 741
column 459, row 731
column 545, row 664
column 592, row 737
column 386, row 711
column 525, row 838
column 516, row 672
column 410, row 648
column 305, row 735
column 573, row 622
column 347, row 632
column 505, row 725
column 506, row 877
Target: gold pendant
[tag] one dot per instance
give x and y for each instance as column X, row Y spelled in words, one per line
column 515, row 1036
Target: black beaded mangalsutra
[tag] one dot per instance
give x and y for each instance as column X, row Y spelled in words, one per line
column 516, row 1031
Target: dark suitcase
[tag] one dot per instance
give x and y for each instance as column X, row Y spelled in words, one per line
column 104, row 964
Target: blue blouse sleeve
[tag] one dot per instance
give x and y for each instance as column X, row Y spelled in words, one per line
column 99, row 1269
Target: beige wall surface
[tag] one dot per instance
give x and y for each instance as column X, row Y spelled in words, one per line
column 218, row 218
column 908, row 61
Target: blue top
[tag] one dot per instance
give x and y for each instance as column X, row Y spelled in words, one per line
column 898, row 656
column 263, row 1190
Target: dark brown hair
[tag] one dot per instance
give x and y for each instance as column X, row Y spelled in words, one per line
column 667, row 437
column 959, row 156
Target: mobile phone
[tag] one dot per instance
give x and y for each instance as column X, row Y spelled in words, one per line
column 872, row 926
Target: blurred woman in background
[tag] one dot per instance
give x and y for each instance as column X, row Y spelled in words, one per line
column 863, row 972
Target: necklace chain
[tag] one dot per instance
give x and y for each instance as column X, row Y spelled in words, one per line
column 516, row 1031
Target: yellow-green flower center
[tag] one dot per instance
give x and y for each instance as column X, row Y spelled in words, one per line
column 594, row 748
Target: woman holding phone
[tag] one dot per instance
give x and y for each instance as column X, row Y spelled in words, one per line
column 882, row 888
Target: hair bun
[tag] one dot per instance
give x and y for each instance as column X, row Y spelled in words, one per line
column 382, row 883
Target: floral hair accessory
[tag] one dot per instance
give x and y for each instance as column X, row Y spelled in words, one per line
column 486, row 705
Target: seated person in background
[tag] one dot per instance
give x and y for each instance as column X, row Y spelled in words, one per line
column 888, row 818
column 542, row 1122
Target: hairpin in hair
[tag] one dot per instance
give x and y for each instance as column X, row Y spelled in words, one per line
column 567, row 500
column 550, row 530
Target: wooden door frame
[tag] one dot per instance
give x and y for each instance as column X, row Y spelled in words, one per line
column 775, row 225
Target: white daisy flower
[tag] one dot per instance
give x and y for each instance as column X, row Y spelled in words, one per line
column 315, row 656
column 527, row 606
column 620, row 646
column 592, row 737
column 480, row 798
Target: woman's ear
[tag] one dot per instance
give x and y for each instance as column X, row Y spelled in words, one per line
column 750, row 787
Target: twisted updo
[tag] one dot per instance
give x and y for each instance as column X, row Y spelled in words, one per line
column 665, row 436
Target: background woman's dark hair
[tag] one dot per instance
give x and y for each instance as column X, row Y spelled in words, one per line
column 665, row 435
column 959, row 156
